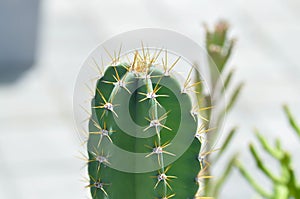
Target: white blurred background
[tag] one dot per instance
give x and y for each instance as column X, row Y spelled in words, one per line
column 38, row 140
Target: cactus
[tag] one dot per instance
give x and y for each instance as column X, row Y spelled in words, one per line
column 150, row 101
column 219, row 47
column 285, row 185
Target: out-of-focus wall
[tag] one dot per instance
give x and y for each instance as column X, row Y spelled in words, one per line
column 18, row 36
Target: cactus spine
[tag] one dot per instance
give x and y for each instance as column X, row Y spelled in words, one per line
column 158, row 105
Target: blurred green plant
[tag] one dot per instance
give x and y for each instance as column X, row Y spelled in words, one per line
column 219, row 47
column 286, row 185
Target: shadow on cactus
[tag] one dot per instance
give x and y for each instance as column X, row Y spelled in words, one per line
column 141, row 108
column 285, row 186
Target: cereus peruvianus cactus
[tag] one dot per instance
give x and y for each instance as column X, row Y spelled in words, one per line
column 144, row 132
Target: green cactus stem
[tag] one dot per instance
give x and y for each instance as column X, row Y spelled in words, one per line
column 219, row 46
column 150, row 102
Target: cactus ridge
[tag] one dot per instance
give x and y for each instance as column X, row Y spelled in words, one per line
column 140, row 107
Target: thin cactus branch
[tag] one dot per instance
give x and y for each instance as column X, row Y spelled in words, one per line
column 260, row 164
column 273, row 151
column 248, row 176
column 224, row 176
column 291, row 119
column 226, row 143
column 285, row 186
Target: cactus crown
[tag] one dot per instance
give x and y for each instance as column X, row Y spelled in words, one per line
column 140, row 107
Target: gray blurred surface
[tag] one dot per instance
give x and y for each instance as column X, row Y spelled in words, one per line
column 38, row 142
column 18, row 35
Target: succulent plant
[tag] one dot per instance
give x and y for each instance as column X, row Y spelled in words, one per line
column 219, row 47
column 140, row 108
column 285, row 185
